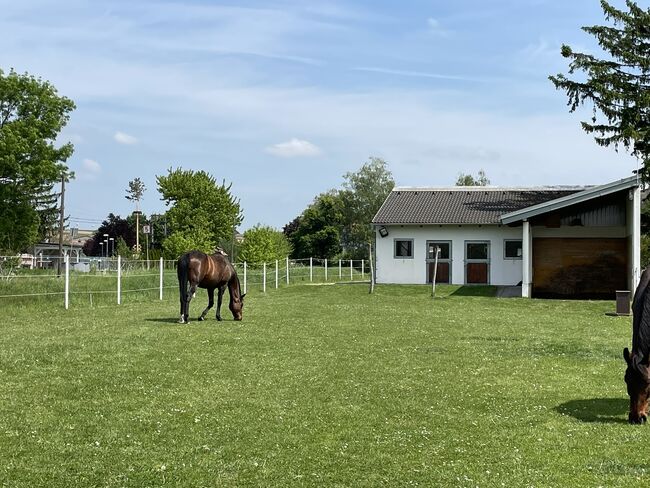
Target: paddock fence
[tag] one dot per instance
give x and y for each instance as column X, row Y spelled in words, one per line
column 92, row 282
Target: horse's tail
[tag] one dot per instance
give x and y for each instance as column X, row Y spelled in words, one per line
column 182, row 270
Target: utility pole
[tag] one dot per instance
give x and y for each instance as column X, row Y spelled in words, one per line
column 61, row 219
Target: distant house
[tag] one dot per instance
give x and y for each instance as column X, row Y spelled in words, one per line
column 551, row 241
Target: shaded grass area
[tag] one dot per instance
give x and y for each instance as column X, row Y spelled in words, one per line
column 320, row 385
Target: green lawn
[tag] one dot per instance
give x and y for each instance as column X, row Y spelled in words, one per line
column 320, row 386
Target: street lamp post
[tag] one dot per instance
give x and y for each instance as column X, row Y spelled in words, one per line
column 112, row 241
column 101, row 247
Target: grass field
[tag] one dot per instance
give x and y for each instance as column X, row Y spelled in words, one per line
column 320, row 386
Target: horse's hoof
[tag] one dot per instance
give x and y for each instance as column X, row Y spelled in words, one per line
column 219, row 318
column 641, row 419
column 201, row 319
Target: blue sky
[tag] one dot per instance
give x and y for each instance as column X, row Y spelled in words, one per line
column 281, row 98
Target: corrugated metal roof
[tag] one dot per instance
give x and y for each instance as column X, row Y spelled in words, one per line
column 462, row 205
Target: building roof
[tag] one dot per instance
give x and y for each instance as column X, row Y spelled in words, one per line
column 484, row 205
column 573, row 199
column 461, row 205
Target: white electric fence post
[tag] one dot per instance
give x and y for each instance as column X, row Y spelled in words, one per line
column 161, row 277
column 277, row 277
column 264, row 279
column 311, row 269
column 119, row 280
column 351, row 270
column 245, row 287
column 340, row 270
column 287, row 270
column 363, row 272
column 67, row 281
column 326, row 270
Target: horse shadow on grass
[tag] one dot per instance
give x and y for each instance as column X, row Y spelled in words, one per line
column 164, row 320
column 598, row 410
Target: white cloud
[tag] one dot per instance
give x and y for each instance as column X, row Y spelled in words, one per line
column 436, row 27
column 90, row 170
column 91, row 166
column 294, row 148
column 123, row 138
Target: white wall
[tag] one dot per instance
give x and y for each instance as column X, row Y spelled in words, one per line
column 413, row 271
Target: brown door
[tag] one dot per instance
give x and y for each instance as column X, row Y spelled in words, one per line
column 442, row 275
column 477, row 273
column 579, row 268
column 477, row 262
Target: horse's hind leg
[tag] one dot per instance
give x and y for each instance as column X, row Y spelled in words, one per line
column 210, row 303
column 219, row 298
column 190, row 295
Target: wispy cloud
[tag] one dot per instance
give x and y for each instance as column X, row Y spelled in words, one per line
column 123, row 138
column 90, row 170
column 417, row 74
column 294, row 148
column 436, row 28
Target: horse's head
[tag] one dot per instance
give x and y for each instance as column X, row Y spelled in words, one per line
column 237, row 306
column 637, row 378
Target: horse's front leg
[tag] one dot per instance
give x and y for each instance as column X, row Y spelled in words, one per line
column 219, row 298
column 210, row 303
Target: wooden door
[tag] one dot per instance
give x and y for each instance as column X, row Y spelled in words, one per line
column 579, row 268
column 477, row 273
column 442, row 275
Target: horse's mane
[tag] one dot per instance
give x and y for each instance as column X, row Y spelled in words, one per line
column 641, row 319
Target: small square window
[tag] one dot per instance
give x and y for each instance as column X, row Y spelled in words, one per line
column 403, row 248
column 513, row 249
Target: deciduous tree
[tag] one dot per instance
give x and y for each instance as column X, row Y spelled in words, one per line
column 32, row 115
column 317, row 232
column 363, row 194
column 469, row 180
column 264, row 244
column 202, row 213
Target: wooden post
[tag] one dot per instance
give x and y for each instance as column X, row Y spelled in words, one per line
column 161, row 278
column 67, row 281
column 372, row 270
column 245, row 277
column 435, row 272
column 264, row 279
column 325, row 270
column 119, row 279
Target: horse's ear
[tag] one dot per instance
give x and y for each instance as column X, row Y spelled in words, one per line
column 626, row 355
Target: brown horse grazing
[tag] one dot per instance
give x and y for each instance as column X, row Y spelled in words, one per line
column 197, row 269
column 637, row 374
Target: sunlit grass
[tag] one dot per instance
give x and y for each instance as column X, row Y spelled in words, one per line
column 320, row 386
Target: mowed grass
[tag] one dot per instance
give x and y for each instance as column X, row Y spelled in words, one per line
column 320, row 386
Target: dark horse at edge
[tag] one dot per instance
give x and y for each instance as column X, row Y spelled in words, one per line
column 197, row 269
column 637, row 374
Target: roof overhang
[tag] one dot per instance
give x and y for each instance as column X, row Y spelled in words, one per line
column 583, row 196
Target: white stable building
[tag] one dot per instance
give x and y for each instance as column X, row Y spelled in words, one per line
column 572, row 242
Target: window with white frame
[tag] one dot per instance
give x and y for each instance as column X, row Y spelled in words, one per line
column 403, row 248
column 512, row 248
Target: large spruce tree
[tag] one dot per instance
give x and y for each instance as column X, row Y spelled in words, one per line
column 618, row 86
